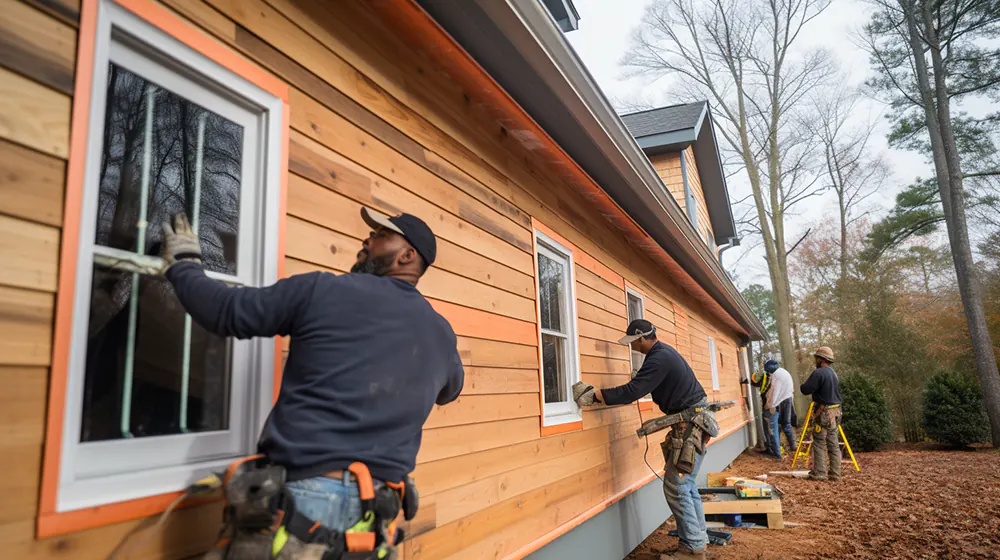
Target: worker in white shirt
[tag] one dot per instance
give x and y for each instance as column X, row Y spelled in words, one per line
column 778, row 410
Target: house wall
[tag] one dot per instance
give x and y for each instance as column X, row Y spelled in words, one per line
column 668, row 167
column 371, row 124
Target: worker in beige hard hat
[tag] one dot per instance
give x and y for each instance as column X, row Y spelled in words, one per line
column 824, row 386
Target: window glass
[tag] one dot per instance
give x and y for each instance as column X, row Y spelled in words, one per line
column 150, row 370
column 555, row 308
column 550, row 286
column 553, row 368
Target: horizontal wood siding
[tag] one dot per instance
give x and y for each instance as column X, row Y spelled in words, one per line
column 668, row 167
column 374, row 125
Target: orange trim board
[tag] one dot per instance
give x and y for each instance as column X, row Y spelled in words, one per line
column 579, row 257
column 592, row 512
column 561, row 428
column 51, row 522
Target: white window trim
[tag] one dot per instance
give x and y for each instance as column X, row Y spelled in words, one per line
column 554, row 414
column 713, row 359
column 93, row 473
column 642, row 303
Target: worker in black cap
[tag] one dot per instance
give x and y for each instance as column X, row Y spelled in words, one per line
column 369, row 358
column 675, row 389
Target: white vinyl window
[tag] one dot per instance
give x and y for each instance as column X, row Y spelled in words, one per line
column 636, row 310
column 153, row 400
column 557, row 319
column 713, row 359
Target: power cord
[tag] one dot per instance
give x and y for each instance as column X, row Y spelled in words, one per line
column 646, row 452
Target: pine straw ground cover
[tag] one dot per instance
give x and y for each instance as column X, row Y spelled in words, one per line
column 908, row 501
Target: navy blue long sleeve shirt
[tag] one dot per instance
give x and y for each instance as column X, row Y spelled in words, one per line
column 824, row 386
column 369, row 358
column 666, row 375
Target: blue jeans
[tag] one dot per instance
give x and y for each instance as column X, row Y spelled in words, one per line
column 681, row 491
column 334, row 503
column 785, row 421
column 774, row 434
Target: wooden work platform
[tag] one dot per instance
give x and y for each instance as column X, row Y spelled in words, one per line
column 730, row 504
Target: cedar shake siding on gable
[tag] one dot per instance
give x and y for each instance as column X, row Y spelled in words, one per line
column 371, row 124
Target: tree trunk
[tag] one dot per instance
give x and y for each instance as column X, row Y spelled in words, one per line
column 948, row 172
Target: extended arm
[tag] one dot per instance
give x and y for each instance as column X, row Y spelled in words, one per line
column 241, row 312
column 456, row 380
column 648, row 377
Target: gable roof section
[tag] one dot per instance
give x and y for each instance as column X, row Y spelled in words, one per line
column 674, row 128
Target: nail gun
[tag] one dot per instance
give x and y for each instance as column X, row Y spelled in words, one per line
column 663, row 422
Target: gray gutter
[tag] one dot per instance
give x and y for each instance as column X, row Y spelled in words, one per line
column 519, row 44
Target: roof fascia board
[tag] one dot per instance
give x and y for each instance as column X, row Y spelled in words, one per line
column 686, row 137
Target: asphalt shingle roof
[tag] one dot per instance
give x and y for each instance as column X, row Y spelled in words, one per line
column 664, row 119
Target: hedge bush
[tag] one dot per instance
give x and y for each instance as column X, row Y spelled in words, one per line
column 953, row 410
column 867, row 420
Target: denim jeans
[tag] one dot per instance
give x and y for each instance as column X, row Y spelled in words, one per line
column 785, row 421
column 681, row 491
column 334, row 503
column 771, row 443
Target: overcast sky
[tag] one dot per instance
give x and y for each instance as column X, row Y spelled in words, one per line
column 603, row 36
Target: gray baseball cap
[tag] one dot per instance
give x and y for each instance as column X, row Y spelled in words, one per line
column 636, row 330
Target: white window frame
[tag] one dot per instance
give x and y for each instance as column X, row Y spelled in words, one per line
column 713, row 359
column 112, row 471
column 631, row 354
column 566, row 411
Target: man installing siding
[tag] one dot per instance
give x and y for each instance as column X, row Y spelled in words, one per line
column 674, row 388
column 369, row 358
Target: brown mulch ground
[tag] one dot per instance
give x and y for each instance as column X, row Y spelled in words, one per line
column 907, row 502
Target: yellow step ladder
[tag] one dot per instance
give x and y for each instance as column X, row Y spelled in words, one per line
column 805, row 454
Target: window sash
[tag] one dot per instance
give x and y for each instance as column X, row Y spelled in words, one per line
column 102, row 472
column 713, row 359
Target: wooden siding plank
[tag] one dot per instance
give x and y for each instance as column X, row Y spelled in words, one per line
column 443, row 443
column 37, row 46
column 598, row 331
column 31, row 184
column 22, row 427
column 25, row 327
column 469, row 409
column 494, row 381
column 597, row 315
column 33, row 115
column 437, row 476
column 29, row 253
column 205, row 16
column 490, row 353
column 594, row 364
column 459, row 219
column 606, row 380
column 595, row 282
column 602, row 349
column 601, row 301
column 318, row 245
column 67, row 11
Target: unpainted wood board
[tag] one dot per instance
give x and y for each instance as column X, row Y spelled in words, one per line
column 594, row 364
column 19, row 485
column 25, row 327
column 37, row 45
column 490, row 353
column 33, row 115
column 188, row 532
column 465, row 321
column 495, row 381
column 588, row 312
column 205, row 16
column 604, row 416
column 22, row 405
column 318, row 245
column 458, row 535
column 598, row 331
column 465, row 500
column 29, row 253
column 31, row 184
column 595, row 282
column 452, row 214
column 605, row 380
column 437, row 476
column 469, row 409
column 602, row 349
column 731, row 504
column 442, row 443
column 599, row 300
column 67, row 11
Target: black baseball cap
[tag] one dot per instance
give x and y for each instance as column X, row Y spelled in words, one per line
column 412, row 228
column 636, row 330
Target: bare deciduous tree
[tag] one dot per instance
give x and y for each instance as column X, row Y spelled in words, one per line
column 742, row 56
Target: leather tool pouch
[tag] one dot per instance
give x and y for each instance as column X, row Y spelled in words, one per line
column 411, row 500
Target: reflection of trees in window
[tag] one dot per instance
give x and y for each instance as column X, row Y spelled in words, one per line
column 160, row 377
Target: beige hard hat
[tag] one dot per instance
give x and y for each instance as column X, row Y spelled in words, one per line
column 824, row 352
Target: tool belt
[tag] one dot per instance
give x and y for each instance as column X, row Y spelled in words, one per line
column 261, row 522
column 688, row 437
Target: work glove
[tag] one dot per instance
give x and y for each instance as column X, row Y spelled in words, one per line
column 583, row 394
column 180, row 242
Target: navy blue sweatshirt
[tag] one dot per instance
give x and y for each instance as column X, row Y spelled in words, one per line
column 369, row 357
column 666, row 375
column 823, row 385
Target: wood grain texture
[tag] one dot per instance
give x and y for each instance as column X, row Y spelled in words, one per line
column 67, row 11
column 22, row 425
column 470, row 409
column 31, row 184
column 25, row 327
column 461, row 440
column 33, row 115
column 29, row 253
column 37, row 45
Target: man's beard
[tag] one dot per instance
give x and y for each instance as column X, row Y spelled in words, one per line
column 378, row 266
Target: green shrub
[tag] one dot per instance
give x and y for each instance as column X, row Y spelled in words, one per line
column 953, row 410
column 867, row 420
